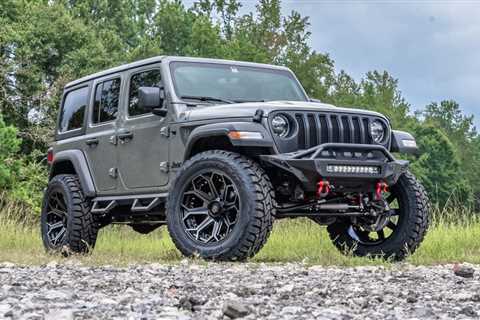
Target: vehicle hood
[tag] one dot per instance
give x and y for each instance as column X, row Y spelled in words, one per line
column 245, row 110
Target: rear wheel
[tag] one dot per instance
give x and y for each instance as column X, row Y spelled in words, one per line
column 66, row 222
column 397, row 233
column 220, row 207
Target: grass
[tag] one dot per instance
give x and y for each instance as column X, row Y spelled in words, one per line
column 291, row 241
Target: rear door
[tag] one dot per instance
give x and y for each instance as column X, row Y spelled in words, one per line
column 142, row 150
column 100, row 140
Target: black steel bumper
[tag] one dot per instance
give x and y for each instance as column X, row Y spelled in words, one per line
column 312, row 165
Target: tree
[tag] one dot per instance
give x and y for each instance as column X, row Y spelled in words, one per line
column 439, row 167
column 9, row 146
column 461, row 131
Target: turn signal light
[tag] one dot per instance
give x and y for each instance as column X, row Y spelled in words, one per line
column 245, row 135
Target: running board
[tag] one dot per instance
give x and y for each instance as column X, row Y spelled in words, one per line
column 137, row 203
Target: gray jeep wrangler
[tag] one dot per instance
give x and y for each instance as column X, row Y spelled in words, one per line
column 217, row 150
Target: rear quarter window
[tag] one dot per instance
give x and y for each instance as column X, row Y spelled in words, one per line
column 72, row 115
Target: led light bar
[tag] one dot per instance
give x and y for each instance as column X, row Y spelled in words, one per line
column 353, row 169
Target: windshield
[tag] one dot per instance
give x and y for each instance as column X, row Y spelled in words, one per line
column 234, row 83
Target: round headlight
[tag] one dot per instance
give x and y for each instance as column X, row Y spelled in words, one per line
column 377, row 131
column 280, row 126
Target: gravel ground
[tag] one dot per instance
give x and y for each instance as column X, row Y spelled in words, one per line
column 252, row 291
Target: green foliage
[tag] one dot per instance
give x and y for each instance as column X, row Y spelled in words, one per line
column 9, row 146
column 439, row 167
column 44, row 44
column 21, row 178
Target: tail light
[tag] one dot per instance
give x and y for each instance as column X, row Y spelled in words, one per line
column 50, row 156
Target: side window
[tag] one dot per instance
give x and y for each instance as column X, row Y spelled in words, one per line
column 150, row 78
column 73, row 110
column 105, row 106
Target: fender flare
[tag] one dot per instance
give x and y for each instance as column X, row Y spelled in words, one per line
column 79, row 162
column 399, row 139
column 223, row 128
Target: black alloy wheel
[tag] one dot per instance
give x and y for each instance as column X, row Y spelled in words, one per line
column 56, row 218
column 221, row 206
column 210, row 207
column 396, row 233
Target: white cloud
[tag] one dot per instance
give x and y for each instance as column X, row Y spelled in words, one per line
column 431, row 46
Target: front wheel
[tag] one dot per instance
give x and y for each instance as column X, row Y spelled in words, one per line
column 220, row 207
column 398, row 233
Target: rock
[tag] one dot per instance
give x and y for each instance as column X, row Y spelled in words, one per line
column 423, row 312
column 292, row 310
column 463, row 271
column 234, row 309
column 189, row 303
column 469, row 311
column 287, row 288
column 60, row 314
column 237, row 290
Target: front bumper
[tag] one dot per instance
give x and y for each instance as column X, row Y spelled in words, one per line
column 315, row 164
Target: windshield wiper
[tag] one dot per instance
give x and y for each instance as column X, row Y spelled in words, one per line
column 205, row 98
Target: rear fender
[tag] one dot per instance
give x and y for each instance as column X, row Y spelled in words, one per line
column 77, row 160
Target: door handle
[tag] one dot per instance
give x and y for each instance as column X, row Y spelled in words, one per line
column 125, row 135
column 92, row 142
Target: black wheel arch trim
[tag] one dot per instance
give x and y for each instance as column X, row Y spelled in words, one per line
column 79, row 163
column 223, row 128
column 398, row 145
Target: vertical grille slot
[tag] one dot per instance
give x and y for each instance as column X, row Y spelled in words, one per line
column 301, row 131
column 357, row 133
column 347, row 136
column 335, row 129
column 313, row 130
column 323, row 129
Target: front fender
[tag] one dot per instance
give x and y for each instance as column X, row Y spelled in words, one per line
column 403, row 142
column 223, row 128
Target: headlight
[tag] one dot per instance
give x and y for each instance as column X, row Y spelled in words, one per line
column 377, row 131
column 280, row 126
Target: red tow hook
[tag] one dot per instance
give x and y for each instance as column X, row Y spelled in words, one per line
column 380, row 188
column 323, row 188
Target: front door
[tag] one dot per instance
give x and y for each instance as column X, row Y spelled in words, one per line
column 100, row 141
column 142, row 150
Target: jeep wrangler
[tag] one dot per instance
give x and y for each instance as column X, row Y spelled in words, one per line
column 217, row 150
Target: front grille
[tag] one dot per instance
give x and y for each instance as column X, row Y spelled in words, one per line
column 315, row 128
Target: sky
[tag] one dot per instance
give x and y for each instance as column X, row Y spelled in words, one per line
column 432, row 47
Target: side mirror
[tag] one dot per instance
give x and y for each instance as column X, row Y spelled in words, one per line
column 151, row 99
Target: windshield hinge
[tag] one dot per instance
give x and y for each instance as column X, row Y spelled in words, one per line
column 165, row 131
column 258, row 115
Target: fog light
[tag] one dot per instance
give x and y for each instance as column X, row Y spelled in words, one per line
column 331, row 168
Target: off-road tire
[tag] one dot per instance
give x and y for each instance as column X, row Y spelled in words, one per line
column 406, row 239
column 81, row 230
column 256, row 214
